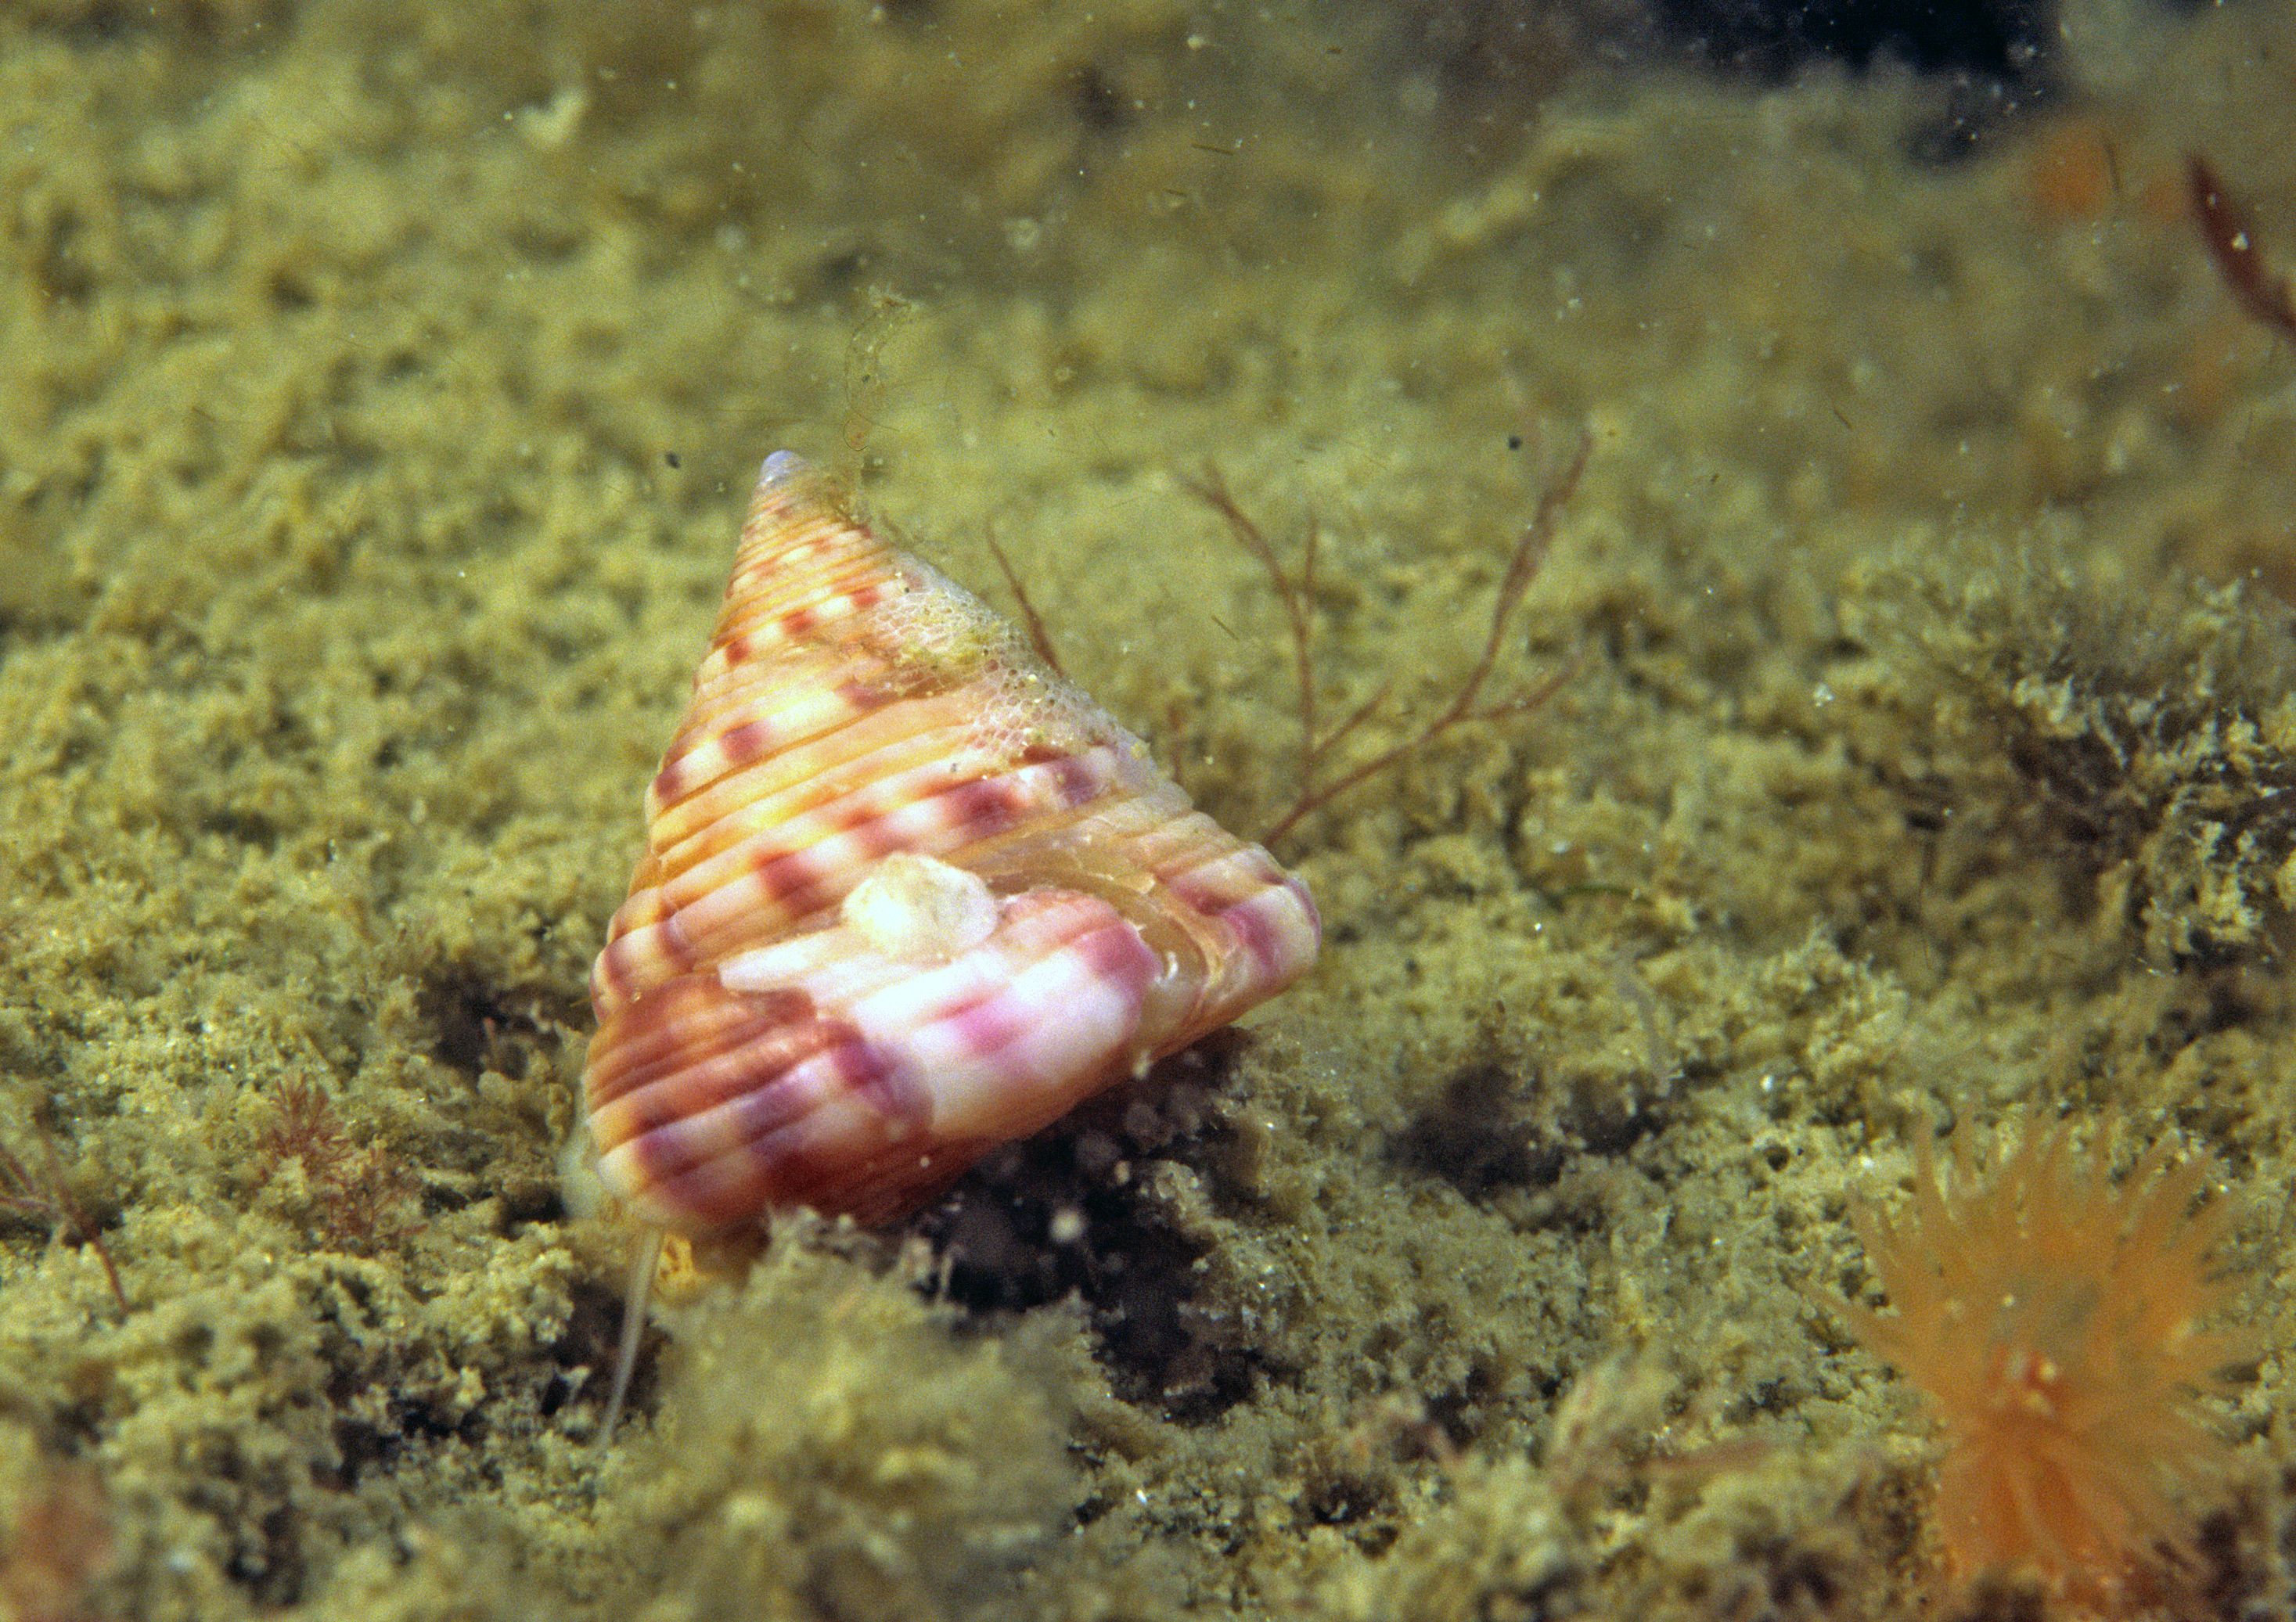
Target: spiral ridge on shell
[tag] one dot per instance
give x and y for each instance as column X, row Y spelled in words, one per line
column 906, row 895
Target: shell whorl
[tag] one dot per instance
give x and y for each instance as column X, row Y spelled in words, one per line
column 762, row 1042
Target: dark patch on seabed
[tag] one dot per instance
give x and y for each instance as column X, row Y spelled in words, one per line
column 1070, row 1213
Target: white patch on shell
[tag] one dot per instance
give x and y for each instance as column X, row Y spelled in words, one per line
column 1016, row 703
column 915, row 909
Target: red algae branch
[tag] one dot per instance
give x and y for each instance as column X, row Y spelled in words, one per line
column 46, row 1196
column 2256, row 285
column 1296, row 593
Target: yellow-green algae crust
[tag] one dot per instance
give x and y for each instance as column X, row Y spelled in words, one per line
column 379, row 386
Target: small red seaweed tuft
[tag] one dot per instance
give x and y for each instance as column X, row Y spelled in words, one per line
column 45, row 1195
column 2052, row 1318
column 1296, row 593
column 360, row 1197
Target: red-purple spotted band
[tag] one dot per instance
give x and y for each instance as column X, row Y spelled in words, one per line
column 760, row 1044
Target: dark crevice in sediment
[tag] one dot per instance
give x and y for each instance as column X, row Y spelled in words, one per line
column 1072, row 1212
column 1490, row 1130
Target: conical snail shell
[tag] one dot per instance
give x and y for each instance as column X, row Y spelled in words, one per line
column 906, row 895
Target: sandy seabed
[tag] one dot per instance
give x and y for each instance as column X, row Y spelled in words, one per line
column 379, row 388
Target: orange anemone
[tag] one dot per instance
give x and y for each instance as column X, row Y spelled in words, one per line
column 2052, row 1317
